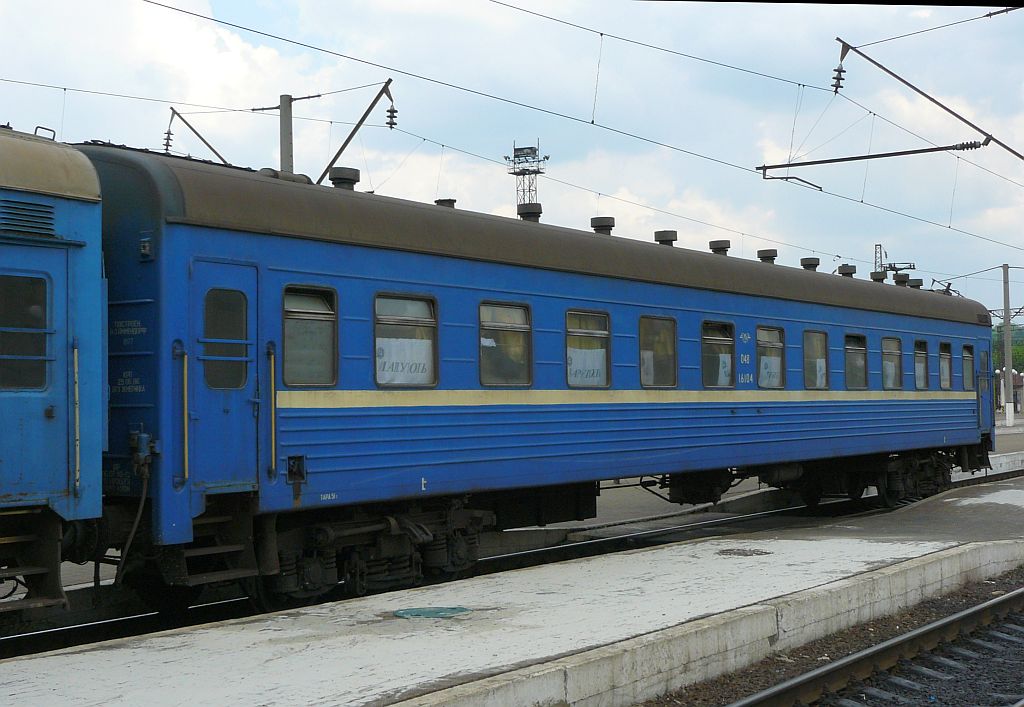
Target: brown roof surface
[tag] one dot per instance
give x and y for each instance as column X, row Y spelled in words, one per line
column 206, row 194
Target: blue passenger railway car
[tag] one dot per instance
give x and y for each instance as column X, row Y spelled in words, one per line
column 52, row 360
column 313, row 388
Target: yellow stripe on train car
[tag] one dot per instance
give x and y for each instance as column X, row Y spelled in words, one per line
column 326, row 399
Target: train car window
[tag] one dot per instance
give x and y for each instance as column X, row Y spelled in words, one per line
column 310, row 354
column 968, row 367
column 717, row 350
column 945, row 365
column 505, row 345
column 587, row 350
column 23, row 333
column 921, row 365
column 225, row 324
column 983, row 366
column 405, row 341
column 892, row 363
column 815, row 360
column 771, row 358
column 657, row 352
column 856, row 349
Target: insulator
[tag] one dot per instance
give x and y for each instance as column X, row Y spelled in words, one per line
column 837, row 80
column 392, row 117
column 167, row 140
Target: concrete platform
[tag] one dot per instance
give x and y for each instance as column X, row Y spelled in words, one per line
column 609, row 630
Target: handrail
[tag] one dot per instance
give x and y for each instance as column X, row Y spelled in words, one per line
column 184, row 406
column 273, row 409
column 78, row 421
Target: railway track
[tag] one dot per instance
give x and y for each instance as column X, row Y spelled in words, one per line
column 974, row 657
column 101, row 624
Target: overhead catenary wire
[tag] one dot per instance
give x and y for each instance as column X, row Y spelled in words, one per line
column 655, row 47
column 165, row 101
column 948, row 24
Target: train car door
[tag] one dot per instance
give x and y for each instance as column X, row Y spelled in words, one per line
column 224, row 409
column 36, row 411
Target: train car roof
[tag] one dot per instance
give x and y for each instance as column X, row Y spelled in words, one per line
column 206, row 194
column 34, row 164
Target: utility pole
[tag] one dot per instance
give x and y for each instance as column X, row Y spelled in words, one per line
column 287, row 153
column 1007, row 350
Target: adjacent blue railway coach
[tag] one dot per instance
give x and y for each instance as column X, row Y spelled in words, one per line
column 312, row 388
column 52, row 362
column 362, row 384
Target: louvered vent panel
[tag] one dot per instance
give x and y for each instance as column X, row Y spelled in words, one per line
column 26, row 217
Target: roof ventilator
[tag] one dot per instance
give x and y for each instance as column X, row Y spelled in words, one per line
column 344, row 177
column 878, row 276
column 719, row 247
column 768, row 255
column 666, row 237
column 530, row 211
column 901, row 279
column 915, row 283
column 447, row 203
column 810, row 263
column 603, row 225
column 847, row 270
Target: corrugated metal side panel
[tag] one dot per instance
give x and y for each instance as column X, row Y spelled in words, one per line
column 367, row 454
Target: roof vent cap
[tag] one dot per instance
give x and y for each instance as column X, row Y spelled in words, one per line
column 666, row 237
column 916, row 283
column 719, row 247
column 810, row 263
column 344, row 177
column 447, row 203
column 530, row 211
column 901, row 279
column 768, row 255
column 878, row 276
column 847, row 270
column 603, row 225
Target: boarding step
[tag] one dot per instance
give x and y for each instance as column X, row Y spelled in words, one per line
column 222, row 545
column 195, row 580
column 30, row 559
column 212, row 550
column 35, row 603
column 12, row 572
column 17, row 539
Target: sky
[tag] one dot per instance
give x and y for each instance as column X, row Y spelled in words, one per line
column 655, row 113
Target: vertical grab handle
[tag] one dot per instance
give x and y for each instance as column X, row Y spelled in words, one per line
column 271, row 355
column 178, row 351
column 78, row 418
column 184, row 409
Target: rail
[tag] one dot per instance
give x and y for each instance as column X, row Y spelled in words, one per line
column 808, row 687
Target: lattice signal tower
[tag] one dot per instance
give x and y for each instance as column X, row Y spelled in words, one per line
column 525, row 164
